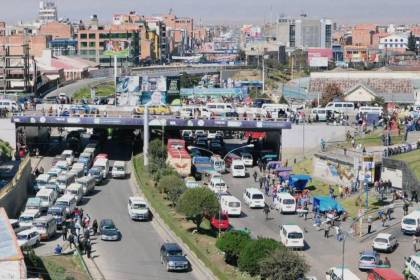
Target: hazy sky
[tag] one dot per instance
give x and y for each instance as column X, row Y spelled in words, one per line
column 234, row 11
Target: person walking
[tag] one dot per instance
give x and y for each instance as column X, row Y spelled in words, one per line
column 255, row 176
column 261, row 181
column 64, row 231
column 405, row 208
column 369, row 221
column 306, row 210
column 95, row 226
column 266, row 211
column 387, row 263
column 88, row 248
column 326, row 229
column 70, row 238
column 383, row 218
column 414, row 243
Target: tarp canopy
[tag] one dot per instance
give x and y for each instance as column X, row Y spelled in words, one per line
column 299, row 181
column 326, row 203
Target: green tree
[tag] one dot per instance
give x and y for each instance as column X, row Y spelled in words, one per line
column 196, row 203
column 282, row 264
column 332, row 92
column 254, row 252
column 173, row 186
column 379, row 101
column 411, row 44
column 283, row 100
column 188, row 81
column 157, row 154
column 135, row 48
column 232, row 243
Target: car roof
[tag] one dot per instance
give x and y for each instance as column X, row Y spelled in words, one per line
column 107, row 221
column 369, row 253
column 27, row 231
column 253, row 190
column 29, row 212
column 172, row 246
column 292, row 228
column 384, row 235
column 138, row 199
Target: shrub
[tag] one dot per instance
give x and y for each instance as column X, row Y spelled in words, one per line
column 232, row 243
column 254, row 252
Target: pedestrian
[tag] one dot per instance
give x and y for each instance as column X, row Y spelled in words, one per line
column 387, row 263
column 64, row 231
column 80, row 244
column 388, row 213
column 414, row 243
column 261, row 181
column 95, row 226
column 266, row 189
column 306, row 210
column 383, row 218
column 369, row 220
column 70, row 238
column 338, row 233
column 86, row 233
column 326, row 229
column 266, row 211
column 255, row 176
column 405, row 208
column 88, row 248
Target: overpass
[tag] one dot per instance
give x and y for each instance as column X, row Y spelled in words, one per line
column 175, row 70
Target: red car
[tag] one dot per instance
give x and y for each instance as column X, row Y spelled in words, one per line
column 220, row 221
column 103, row 155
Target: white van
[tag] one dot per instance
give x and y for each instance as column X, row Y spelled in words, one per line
column 10, row 105
column 218, row 185
column 48, row 197
column 339, row 273
column 46, row 226
column 411, row 222
column 28, row 216
column 41, row 181
column 292, row 236
column 413, row 264
column 341, row 107
column 321, row 112
column 230, row 205
column 220, row 108
column 285, row 202
column 76, row 190
column 274, row 109
column 237, row 168
column 67, row 200
column 119, row 169
column 88, row 184
column 254, row 198
column 64, row 180
column 103, row 163
column 69, row 156
column 63, row 165
column 371, row 110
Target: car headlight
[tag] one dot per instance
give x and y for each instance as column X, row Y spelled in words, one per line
column 171, row 263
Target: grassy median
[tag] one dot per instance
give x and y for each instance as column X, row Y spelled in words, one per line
column 202, row 244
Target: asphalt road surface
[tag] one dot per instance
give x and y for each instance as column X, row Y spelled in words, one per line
column 136, row 255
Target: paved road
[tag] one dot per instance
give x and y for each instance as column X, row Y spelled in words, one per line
column 321, row 253
column 136, row 256
column 73, row 87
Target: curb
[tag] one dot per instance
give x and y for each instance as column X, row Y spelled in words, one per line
column 366, row 237
column 203, row 273
column 93, row 270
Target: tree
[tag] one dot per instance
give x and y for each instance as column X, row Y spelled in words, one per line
column 379, row 101
column 157, row 153
column 332, row 92
column 254, row 252
column 135, row 48
column 173, row 186
column 282, row 264
column 196, row 203
column 232, row 243
column 188, row 81
column 283, row 100
column 411, row 44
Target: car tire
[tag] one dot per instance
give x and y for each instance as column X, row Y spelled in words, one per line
column 167, row 268
column 37, row 243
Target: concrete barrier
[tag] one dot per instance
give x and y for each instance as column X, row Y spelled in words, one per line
column 13, row 196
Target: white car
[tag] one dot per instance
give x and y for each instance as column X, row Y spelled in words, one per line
column 247, row 159
column 69, row 156
column 217, row 185
column 119, row 169
column 385, row 242
column 138, row 208
column 28, row 216
column 28, row 238
column 254, row 198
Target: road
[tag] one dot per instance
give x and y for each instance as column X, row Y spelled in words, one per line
column 73, row 87
column 136, row 255
column 321, row 253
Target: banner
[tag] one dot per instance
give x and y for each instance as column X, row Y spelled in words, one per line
column 173, row 85
column 153, row 84
column 117, row 47
column 153, row 97
column 128, row 84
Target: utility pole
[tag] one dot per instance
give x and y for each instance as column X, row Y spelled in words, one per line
column 263, row 75
column 115, row 78
column 146, row 135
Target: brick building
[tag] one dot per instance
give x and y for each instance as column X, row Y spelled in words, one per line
column 57, row 30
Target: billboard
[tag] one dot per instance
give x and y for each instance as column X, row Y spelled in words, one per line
column 153, row 84
column 153, row 97
column 117, row 47
column 319, row 57
column 173, row 84
column 318, row 62
column 128, row 84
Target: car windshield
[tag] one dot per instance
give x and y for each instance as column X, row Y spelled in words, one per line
column 54, row 212
column 409, row 221
column 41, row 182
column 39, row 224
column 234, row 204
column 43, row 198
column 367, row 259
column 26, row 219
column 175, row 253
column 246, row 156
column 288, row 201
column 139, row 206
column 61, row 203
column 257, row 196
column 381, row 240
column 295, row 235
column 22, row 237
column 239, row 167
column 95, row 171
column 119, row 168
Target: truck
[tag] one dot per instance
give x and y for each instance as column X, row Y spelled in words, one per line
column 178, row 157
column 202, row 166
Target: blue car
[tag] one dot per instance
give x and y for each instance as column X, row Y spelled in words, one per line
column 369, row 260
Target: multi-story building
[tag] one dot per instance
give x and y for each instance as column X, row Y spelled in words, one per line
column 57, row 29
column 180, row 32
column 301, row 32
column 47, row 11
column 396, row 42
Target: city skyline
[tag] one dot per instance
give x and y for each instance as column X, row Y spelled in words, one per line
column 233, row 11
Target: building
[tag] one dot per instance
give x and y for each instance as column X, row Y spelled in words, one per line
column 397, row 42
column 301, row 32
column 2, row 28
column 180, row 31
column 63, row 46
column 57, row 29
column 255, row 50
column 47, row 11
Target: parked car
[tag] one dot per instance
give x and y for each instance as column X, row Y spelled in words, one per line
column 368, row 260
column 138, row 208
column 172, row 257
column 220, row 221
column 28, row 216
column 108, row 230
column 191, row 182
column 119, row 169
column 385, row 242
column 28, row 238
column 68, row 155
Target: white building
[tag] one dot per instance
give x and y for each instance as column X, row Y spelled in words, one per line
column 47, row 11
column 394, row 42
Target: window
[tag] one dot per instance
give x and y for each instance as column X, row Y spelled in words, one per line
column 92, row 44
column 103, row 35
column 92, row 35
column 83, row 36
column 401, row 40
column 386, row 40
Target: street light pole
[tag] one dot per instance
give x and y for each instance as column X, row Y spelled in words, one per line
column 115, row 77
column 342, row 257
column 146, row 135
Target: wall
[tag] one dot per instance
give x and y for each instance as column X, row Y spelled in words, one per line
column 332, row 171
column 14, row 195
column 409, row 180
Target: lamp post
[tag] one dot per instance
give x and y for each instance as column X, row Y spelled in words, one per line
column 264, row 57
column 146, row 135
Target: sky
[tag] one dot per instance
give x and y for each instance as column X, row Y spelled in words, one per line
column 225, row 11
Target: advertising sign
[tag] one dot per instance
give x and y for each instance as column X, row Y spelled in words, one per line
column 173, row 85
column 153, row 84
column 319, row 57
column 128, row 84
column 153, row 97
column 117, row 47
